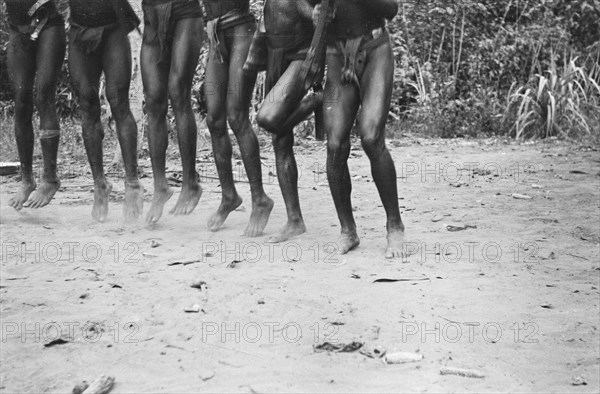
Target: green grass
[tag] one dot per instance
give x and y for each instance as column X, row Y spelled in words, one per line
column 561, row 102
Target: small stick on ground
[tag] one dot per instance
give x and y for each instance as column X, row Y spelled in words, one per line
column 466, row 373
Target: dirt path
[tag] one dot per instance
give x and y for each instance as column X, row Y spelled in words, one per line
column 515, row 295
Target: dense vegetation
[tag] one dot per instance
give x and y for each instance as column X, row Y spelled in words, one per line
column 471, row 68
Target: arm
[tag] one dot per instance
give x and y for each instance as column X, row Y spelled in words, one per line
column 385, row 8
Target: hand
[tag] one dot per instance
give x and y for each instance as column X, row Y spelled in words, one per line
column 317, row 13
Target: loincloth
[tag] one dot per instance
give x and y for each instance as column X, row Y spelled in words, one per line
column 162, row 17
column 89, row 24
column 355, row 51
column 30, row 17
column 89, row 38
column 215, row 31
column 279, row 58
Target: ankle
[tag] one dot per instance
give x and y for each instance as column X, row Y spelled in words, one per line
column 27, row 177
column 395, row 227
column 132, row 183
column 296, row 220
column 348, row 230
column 50, row 178
column 100, row 182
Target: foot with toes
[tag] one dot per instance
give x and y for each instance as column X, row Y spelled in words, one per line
column 261, row 211
column 133, row 205
column 228, row 205
column 162, row 194
column 102, row 190
column 348, row 241
column 291, row 229
column 395, row 245
column 43, row 195
column 18, row 201
column 188, row 199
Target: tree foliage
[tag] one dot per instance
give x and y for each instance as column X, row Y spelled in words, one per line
column 460, row 60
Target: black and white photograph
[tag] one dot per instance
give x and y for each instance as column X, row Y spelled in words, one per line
column 299, row 196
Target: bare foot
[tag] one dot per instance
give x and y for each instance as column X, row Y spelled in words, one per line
column 43, row 195
column 395, row 244
column 291, row 229
column 187, row 201
column 159, row 199
column 348, row 241
column 218, row 218
column 27, row 187
column 102, row 190
column 133, row 205
column 259, row 217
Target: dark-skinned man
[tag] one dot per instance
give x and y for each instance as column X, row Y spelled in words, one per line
column 228, row 90
column 35, row 53
column 98, row 43
column 360, row 72
column 173, row 33
column 289, row 31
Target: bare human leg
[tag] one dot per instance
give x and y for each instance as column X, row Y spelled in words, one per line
column 50, row 57
column 85, row 70
column 340, row 107
column 116, row 61
column 155, row 79
column 22, row 69
column 377, row 83
column 185, row 51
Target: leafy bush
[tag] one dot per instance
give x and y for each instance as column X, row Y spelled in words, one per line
column 561, row 102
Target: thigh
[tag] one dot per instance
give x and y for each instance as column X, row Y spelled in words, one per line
column 116, row 62
column 50, row 56
column 241, row 84
column 376, row 91
column 185, row 51
column 340, row 103
column 284, row 97
column 215, row 88
column 21, row 66
column 85, row 70
column 154, row 74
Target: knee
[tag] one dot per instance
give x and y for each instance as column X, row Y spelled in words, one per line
column 268, row 120
column 372, row 140
column 90, row 107
column 44, row 98
column 179, row 100
column 118, row 99
column 179, row 94
column 237, row 118
column 216, row 122
column 373, row 145
column 156, row 104
column 337, row 147
column 23, row 106
column 89, row 101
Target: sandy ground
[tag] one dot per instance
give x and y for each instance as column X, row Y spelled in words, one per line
column 514, row 296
